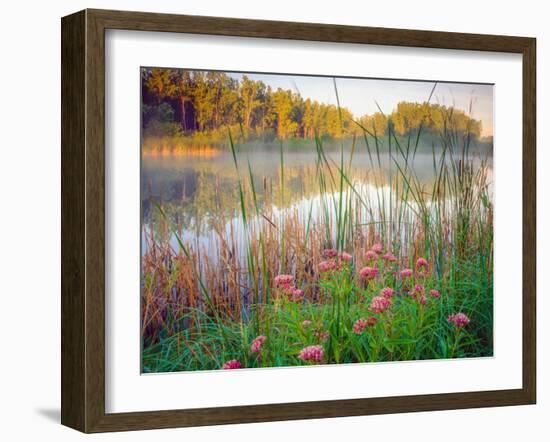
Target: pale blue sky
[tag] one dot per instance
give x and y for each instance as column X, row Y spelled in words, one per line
column 360, row 95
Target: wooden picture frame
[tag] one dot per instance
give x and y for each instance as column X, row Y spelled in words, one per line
column 83, row 219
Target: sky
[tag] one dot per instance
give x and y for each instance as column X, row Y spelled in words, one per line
column 360, row 95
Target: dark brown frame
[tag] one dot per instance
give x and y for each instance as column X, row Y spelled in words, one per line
column 83, row 216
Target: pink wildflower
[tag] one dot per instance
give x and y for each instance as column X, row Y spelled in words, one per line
column 416, row 291
column 288, row 289
column 346, row 257
column 296, row 295
column 421, row 263
column 406, row 273
column 377, row 248
column 435, row 293
column 368, row 272
column 326, row 266
column 330, row 253
column 387, row 292
column 361, row 323
column 459, row 319
column 313, row 353
column 257, row 343
column 323, row 336
column 371, row 321
column 370, row 255
column 379, row 304
column 359, row 326
column 231, row 365
column 283, row 281
column 389, row 257
column 306, row 323
column 423, row 300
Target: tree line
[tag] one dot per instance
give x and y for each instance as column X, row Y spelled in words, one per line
column 181, row 102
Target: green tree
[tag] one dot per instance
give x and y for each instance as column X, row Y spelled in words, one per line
column 207, row 101
column 282, row 101
column 160, row 82
column 250, row 96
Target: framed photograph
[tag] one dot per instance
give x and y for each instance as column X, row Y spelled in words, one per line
column 266, row 220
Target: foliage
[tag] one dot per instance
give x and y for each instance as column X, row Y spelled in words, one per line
column 343, row 325
column 205, row 103
column 309, row 288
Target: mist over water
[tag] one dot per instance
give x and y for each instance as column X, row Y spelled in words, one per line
column 201, row 185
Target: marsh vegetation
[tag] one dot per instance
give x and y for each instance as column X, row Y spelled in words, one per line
column 354, row 240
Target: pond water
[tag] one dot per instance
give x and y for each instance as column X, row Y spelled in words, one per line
column 199, row 188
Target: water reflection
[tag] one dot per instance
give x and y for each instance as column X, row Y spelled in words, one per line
column 200, row 189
